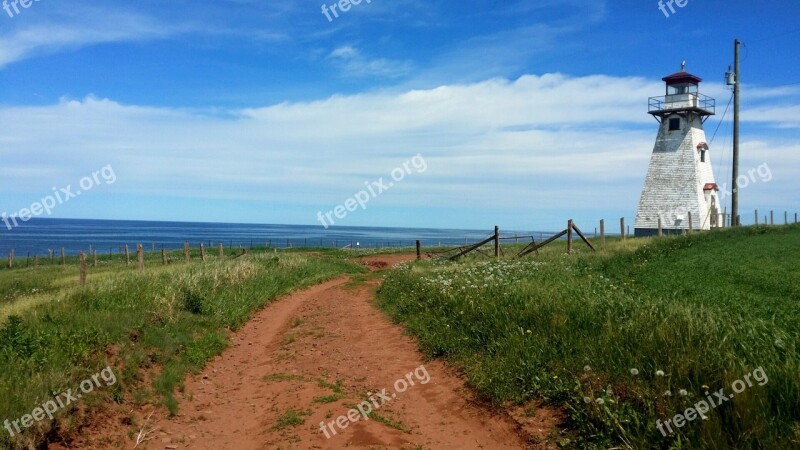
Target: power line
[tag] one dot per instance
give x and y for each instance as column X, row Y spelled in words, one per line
column 722, row 119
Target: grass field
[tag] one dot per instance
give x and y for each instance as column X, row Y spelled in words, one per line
column 152, row 328
column 624, row 337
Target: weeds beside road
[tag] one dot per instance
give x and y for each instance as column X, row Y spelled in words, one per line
column 172, row 317
column 625, row 337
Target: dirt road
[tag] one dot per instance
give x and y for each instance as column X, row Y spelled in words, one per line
column 293, row 374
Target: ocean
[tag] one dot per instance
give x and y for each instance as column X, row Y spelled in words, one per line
column 39, row 235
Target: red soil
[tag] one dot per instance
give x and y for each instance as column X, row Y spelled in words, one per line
column 291, row 356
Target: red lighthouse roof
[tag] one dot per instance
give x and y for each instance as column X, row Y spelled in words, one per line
column 682, row 77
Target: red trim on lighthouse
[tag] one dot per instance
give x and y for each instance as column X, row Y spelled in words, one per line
column 702, row 146
column 711, row 187
column 682, row 77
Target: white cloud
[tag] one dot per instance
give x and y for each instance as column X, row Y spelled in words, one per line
column 352, row 63
column 536, row 141
column 52, row 29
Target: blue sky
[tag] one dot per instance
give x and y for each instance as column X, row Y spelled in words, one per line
column 526, row 113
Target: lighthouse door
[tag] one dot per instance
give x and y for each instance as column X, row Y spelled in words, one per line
column 714, row 211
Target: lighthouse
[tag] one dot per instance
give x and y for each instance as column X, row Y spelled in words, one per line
column 679, row 188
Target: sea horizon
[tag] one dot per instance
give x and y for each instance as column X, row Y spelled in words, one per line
column 40, row 235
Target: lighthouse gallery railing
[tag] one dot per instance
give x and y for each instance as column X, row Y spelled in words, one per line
column 692, row 101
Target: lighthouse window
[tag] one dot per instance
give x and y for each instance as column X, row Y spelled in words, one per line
column 702, row 156
column 674, row 124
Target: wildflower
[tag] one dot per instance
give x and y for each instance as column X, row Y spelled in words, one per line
column 587, row 400
column 587, row 369
column 659, row 373
column 529, row 331
column 667, row 393
column 600, row 401
column 634, row 372
column 683, row 393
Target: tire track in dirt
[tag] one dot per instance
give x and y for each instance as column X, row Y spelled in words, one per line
column 309, row 358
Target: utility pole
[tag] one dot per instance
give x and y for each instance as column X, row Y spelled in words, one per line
column 736, row 84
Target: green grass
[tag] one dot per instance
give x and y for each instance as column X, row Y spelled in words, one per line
column 159, row 325
column 384, row 420
column 706, row 309
column 389, row 422
column 291, row 418
column 328, row 398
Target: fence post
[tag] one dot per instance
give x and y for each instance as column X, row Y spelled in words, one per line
column 11, row 259
column 786, row 217
column 622, row 227
column 220, row 251
column 771, row 217
column 419, row 250
column 756, row 217
column 603, row 233
column 140, row 257
column 202, row 252
column 660, row 227
column 63, row 257
column 186, row 256
column 82, row 259
column 691, row 225
column 569, row 237
column 164, row 259
column 127, row 255
column 94, row 254
column 496, row 241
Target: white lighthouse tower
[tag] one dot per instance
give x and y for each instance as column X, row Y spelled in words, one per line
column 680, row 186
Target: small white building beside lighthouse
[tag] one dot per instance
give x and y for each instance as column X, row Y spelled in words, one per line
column 680, row 185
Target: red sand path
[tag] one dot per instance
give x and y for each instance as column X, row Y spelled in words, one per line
column 291, row 355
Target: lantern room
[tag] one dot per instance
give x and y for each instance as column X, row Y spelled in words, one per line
column 682, row 96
